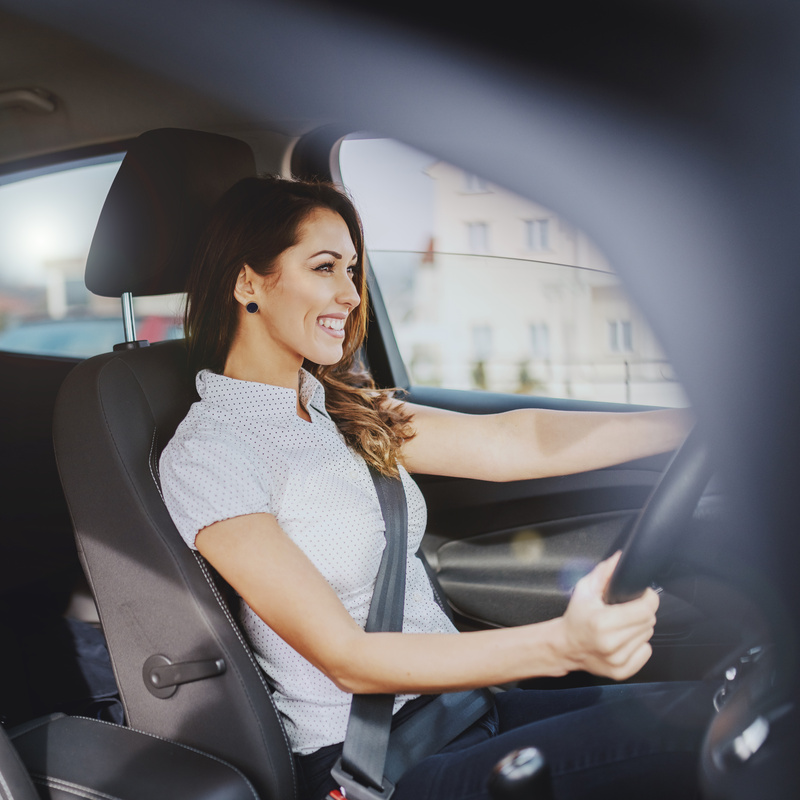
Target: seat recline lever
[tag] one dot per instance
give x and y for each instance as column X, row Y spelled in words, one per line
column 162, row 678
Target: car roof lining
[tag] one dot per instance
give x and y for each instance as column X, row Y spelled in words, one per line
column 102, row 100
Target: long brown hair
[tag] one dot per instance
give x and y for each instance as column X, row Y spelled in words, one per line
column 253, row 223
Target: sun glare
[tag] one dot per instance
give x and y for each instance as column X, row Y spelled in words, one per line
column 41, row 239
column 49, row 218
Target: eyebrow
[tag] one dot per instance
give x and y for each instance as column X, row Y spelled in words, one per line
column 331, row 253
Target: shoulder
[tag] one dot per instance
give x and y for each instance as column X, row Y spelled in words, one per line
column 207, row 438
column 208, row 473
column 216, row 443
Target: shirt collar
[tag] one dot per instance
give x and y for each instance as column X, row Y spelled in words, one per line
column 312, row 392
column 260, row 399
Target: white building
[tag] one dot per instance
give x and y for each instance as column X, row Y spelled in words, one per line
column 511, row 298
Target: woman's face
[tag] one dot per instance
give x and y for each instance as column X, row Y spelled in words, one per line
column 304, row 304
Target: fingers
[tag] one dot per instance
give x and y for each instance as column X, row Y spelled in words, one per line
column 596, row 583
column 597, row 580
column 625, row 631
column 609, row 640
column 621, row 654
column 639, row 611
column 621, row 644
column 605, row 569
column 591, row 588
column 610, row 637
column 631, row 665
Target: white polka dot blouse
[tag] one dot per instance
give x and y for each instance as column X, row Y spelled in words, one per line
column 242, row 449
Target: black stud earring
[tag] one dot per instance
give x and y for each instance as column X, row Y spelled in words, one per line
column 252, row 308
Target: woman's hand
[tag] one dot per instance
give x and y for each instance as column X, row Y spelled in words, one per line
column 608, row 640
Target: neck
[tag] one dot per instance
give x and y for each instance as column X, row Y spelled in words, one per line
column 246, row 361
column 239, row 366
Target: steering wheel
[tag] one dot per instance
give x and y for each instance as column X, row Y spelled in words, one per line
column 657, row 530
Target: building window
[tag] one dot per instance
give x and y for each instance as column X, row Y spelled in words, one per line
column 540, row 340
column 537, row 234
column 474, row 185
column 620, row 336
column 481, row 342
column 478, row 237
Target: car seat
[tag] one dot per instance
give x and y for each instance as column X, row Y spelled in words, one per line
column 183, row 668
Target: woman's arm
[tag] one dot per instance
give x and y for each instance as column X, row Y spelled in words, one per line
column 284, row 588
column 535, row 443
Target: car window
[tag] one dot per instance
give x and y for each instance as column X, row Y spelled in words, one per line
column 488, row 290
column 47, row 219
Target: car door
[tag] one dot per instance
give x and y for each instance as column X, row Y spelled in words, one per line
column 498, row 304
column 48, row 323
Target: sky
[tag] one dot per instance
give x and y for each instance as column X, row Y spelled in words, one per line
column 54, row 216
column 393, row 194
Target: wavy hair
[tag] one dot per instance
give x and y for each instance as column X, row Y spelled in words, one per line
column 253, row 223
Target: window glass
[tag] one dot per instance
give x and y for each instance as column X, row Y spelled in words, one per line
column 489, row 290
column 46, row 226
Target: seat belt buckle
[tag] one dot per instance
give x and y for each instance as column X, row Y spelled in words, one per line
column 352, row 789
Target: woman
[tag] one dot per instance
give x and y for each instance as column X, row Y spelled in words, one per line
column 267, row 477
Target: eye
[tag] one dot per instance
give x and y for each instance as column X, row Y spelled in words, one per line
column 328, row 266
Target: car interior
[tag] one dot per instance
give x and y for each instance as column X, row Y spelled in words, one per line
column 183, row 709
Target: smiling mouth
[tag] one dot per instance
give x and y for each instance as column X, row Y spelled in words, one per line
column 332, row 326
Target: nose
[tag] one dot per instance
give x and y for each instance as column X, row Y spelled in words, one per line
column 347, row 294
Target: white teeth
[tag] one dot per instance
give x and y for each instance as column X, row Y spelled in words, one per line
column 330, row 322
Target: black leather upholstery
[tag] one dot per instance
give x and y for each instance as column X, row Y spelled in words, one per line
column 15, row 784
column 113, row 416
column 73, row 757
column 156, row 208
column 155, row 596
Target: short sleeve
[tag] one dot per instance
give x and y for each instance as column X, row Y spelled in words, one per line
column 206, row 478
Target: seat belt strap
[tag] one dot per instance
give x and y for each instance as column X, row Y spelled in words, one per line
column 369, row 724
column 363, row 769
column 432, row 727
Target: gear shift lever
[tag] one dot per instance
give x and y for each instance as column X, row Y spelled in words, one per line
column 521, row 775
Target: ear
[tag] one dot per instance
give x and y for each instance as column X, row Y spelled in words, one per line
column 244, row 288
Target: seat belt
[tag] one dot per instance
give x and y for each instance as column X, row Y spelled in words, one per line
column 362, row 771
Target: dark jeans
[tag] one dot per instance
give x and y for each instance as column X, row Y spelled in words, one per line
column 626, row 741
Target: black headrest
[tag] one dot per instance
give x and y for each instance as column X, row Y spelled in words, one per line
column 156, row 208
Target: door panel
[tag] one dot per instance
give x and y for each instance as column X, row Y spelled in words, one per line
column 514, row 576
column 36, row 541
column 510, row 553
column 38, row 558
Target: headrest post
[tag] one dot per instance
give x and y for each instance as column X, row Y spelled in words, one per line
column 128, row 320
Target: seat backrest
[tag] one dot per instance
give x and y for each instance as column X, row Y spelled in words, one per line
column 15, row 783
column 114, row 414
